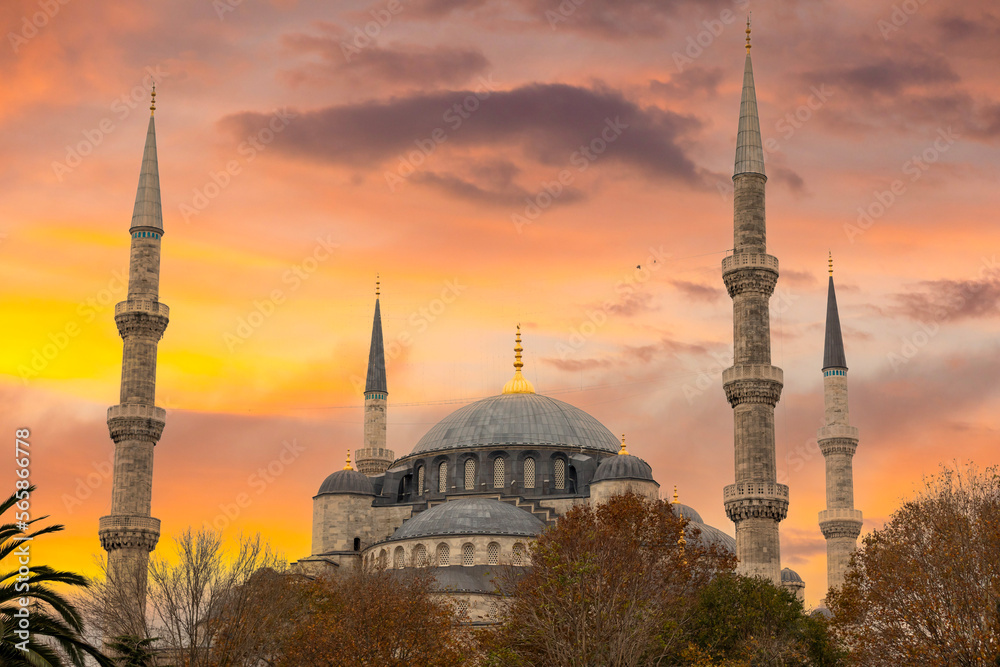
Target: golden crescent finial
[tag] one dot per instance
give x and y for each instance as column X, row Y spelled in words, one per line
column 347, row 466
column 675, row 495
column 378, row 283
column 831, row 263
column 518, row 384
column 152, row 100
column 748, row 33
column 623, row 451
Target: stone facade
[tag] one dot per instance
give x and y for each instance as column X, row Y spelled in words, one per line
column 601, row 492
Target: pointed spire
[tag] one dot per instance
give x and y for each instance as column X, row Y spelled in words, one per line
column 518, row 384
column 623, row 451
column 347, row 466
column 749, row 148
column 147, row 212
column 833, row 348
column 376, row 354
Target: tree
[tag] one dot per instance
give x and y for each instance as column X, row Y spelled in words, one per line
column 133, row 651
column 614, row 585
column 924, row 589
column 374, row 618
column 52, row 626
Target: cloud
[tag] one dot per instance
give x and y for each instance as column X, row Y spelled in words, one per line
column 687, row 83
column 698, row 291
column 950, row 300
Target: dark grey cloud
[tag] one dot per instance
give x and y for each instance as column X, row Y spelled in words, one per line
column 556, row 125
column 950, row 300
column 887, row 77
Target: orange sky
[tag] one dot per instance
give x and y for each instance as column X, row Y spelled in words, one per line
column 853, row 97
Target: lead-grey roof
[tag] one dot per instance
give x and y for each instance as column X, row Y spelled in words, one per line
column 749, row 148
column 470, row 516
column 376, row 357
column 710, row 535
column 346, row 481
column 687, row 512
column 147, row 211
column 518, row 419
column 790, row 575
column 623, row 466
column 833, row 346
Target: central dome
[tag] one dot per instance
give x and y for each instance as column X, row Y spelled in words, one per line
column 518, row 419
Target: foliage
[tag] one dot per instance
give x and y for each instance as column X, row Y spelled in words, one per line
column 133, row 651
column 54, row 624
column 924, row 589
column 380, row 618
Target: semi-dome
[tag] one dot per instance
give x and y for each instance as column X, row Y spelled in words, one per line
column 347, row 480
column 470, row 516
column 624, row 466
column 687, row 512
column 522, row 419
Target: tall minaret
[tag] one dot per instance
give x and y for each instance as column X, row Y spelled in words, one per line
column 374, row 458
column 838, row 440
column 756, row 502
column 129, row 533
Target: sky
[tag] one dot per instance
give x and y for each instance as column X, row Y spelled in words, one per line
column 306, row 146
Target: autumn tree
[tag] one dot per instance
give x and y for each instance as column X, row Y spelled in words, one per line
column 925, row 589
column 613, row 585
column 374, row 618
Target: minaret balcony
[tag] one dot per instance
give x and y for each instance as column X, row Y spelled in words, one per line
column 137, row 411
column 136, row 422
column 756, row 500
column 831, row 431
column 840, row 523
column 749, row 260
column 143, row 306
column 753, row 372
column 128, row 531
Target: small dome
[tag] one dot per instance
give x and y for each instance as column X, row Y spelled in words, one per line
column 712, row 536
column 623, row 466
column 347, row 481
column 789, row 576
column 470, row 516
column 687, row 512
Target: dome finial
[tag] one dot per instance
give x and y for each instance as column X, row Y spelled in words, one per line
column 675, row 495
column 831, row 263
column 378, row 283
column 347, row 466
column 748, row 33
column 623, row 451
column 518, row 384
column 152, row 100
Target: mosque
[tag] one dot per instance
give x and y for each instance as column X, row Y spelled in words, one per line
column 481, row 484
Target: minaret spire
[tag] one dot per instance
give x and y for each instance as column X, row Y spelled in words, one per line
column 129, row 533
column 518, row 384
column 374, row 458
column 756, row 503
column 838, row 440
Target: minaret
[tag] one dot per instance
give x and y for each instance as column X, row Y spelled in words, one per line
column 374, row 458
column 756, row 502
column 838, row 440
column 129, row 533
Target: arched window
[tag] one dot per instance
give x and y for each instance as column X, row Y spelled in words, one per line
column 420, row 556
column 560, row 475
column 443, row 477
column 470, row 474
column 498, row 472
column 357, row 544
column 468, row 554
column 518, row 554
column 529, row 473
column 420, row 481
column 444, row 555
column 493, row 554
column 382, row 556
column 399, row 558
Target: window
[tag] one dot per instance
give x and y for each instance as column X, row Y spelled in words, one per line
column 444, row 555
column 498, row 472
column 518, row 557
column 357, row 544
column 382, row 556
column 420, row 481
column 494, row 610
column 468, row 554
column 560, row 473
column 470, row 474
column 399, row 558
column 493, row 553
column 420, row 556
column 443, row 477
column 529, row 473
column 463, row 608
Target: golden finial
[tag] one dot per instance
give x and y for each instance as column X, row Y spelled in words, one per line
column 378, row 282
column 152, row 100
column 748, row 33
column 675, row 495
column 347, row 466
column 518, row 384
column 623, row 451
column 831, row 263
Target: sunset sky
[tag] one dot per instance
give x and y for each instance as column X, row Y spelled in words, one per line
column 299, row 156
